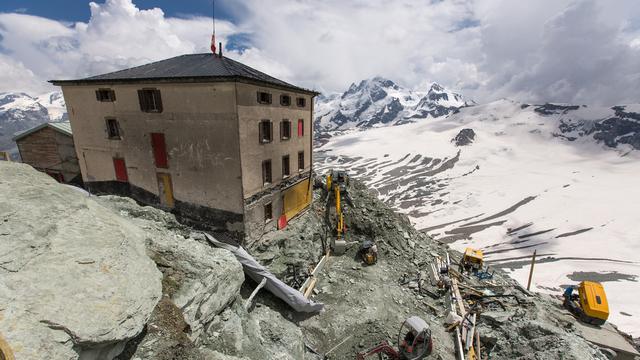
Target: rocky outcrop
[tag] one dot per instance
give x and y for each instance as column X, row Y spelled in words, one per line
column 76, row 281
column 199, row 279
column 464, row 137
column 86, row 277
column 202, row 313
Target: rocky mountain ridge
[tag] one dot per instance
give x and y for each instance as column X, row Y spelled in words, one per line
column 380, row 102
column 21, row 111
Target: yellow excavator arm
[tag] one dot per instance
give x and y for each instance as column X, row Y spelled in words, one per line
column 339, row 214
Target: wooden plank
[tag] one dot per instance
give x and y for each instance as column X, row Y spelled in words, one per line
column 477, row 343
column 316, row 271
column 458, row 297
column 309, row 289
column 453, row 301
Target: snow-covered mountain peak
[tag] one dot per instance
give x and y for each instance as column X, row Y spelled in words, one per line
column 435, row 87
column 380, row 102
column 17, row 101
column 20, row 111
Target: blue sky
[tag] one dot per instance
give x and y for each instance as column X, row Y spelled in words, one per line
column 75, row 10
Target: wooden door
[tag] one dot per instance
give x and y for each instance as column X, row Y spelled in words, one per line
column 159, row 150
column 165, row 190
column 120, row 169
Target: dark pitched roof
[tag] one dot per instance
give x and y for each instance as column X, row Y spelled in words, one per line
column 187, row 68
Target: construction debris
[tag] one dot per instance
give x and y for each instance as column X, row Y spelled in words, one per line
column 257, row 272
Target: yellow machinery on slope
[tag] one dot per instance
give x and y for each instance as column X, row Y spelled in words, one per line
column 472, row 260
column 590, row 305
column 337, row 182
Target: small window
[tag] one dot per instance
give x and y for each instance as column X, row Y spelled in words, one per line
column 300, row 160
column 285, row 100
column 268, row 212
column 302, row 102
column 285, row 130
column 266, row 172
column 264, row 97
column 265, row 131
column 598, row 300
column 150, row 100
column 105, row 95
column 286, row 171
column 300, row 128
column 113, row 129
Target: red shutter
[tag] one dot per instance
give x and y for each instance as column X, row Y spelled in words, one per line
column 159, row 150
column 300, row 127
column 121, row 170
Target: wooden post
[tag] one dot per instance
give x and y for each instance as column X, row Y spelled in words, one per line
column 533, row 262
column 478, row 344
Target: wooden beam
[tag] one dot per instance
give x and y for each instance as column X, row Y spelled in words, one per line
column 314, row 273
column 533, row 262
column 312, row 285
column 478, row 354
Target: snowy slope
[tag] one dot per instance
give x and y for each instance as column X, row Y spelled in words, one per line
column 379, row 102
column 54, row 103
column 20, row 111
column 558, row 179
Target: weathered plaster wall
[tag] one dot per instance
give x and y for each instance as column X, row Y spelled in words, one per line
column 250, row 113
column 201, row 134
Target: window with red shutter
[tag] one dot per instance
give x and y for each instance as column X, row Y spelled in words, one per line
column 121, row 169
column 159, row 150
column 300, row 128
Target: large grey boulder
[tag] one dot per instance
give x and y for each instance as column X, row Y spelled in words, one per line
column 199, row 281
column 75, row 279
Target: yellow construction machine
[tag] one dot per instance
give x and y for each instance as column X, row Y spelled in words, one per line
column 337, row 182
column 589, row 304
column 472, row 260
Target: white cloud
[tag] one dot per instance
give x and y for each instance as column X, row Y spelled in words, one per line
column 577, row 54
column 118, row 35
column 583, row 51
column 16, row 77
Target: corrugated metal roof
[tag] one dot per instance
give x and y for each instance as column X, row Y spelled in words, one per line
column 63, row 127
column 192, row 66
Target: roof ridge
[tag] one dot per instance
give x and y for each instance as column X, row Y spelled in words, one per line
column 187, row 67
column 138, row 66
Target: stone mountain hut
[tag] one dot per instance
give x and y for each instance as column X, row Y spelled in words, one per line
column 222, row 145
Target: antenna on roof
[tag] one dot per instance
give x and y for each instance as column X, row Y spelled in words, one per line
column 213, row 23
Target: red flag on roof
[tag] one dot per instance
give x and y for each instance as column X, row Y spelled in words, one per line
column 213, row 43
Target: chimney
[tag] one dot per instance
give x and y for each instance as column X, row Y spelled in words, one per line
column 220, row 49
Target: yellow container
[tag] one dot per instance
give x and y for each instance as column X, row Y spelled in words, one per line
column 473, row 256
column 593, row 300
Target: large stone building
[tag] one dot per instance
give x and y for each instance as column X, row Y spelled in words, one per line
column 49, row 148
column 224, row 146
